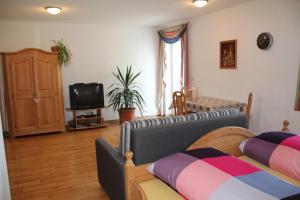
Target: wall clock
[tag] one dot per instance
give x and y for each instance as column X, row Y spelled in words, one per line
column 264, row 41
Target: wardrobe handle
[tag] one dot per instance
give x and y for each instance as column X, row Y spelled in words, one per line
column 35, row 100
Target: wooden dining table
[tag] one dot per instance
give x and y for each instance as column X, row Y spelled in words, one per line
column 211, row 103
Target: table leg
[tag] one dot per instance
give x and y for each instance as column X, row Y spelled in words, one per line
column 74, row 118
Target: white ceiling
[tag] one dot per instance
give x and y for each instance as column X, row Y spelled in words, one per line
column 131, row 12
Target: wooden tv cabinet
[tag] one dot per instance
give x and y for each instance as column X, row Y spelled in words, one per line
column 85, row 121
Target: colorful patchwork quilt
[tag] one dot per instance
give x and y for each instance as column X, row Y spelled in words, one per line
column 208, row 173
column 278, row 150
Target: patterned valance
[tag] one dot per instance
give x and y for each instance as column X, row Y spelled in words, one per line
column 173, row 34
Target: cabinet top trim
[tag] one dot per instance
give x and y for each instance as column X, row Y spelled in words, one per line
column 28, row 50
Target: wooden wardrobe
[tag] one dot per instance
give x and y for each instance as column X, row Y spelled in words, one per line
column 33, row 92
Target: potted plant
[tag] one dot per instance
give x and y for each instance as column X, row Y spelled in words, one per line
column 125, row 95
column 64, row 53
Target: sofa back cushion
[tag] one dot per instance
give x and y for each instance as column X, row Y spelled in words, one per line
column 126, row 127
column 149, row 144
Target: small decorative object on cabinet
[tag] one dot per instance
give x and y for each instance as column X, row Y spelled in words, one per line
column 33, row 92
column 85, row 121
column 64, row 53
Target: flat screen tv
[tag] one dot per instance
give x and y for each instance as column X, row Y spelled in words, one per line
column 86, row 96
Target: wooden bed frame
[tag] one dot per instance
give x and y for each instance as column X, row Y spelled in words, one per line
column 226, row 139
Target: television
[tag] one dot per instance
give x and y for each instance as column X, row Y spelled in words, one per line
column 86, row 96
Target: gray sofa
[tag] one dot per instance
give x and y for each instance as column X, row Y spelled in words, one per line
column 151, row 143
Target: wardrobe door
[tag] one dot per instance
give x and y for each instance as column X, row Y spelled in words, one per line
column 23, row 93
column 48, row 96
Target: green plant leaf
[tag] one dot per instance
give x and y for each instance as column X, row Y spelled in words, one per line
column 64, row 53
column 125, row 92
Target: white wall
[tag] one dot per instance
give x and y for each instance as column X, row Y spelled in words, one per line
column 97, row 50
column 271, row 75
column 4, row 184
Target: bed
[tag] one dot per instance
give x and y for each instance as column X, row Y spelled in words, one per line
column 140, row 184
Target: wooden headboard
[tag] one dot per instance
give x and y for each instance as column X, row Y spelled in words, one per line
column 226, row 139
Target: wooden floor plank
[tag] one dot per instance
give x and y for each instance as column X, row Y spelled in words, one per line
column 58, row 165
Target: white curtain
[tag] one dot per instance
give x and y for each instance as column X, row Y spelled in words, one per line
column 173, row 64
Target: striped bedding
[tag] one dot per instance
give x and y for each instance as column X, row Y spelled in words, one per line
column 126, row 126
column 277, row 150
column 208, row 173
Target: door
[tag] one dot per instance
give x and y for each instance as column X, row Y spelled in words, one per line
column 23, row 93
column 47, row 93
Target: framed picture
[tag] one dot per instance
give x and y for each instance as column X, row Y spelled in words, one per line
column 228, row 52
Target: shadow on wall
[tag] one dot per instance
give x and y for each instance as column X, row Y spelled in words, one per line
column 297, row 99
column 2, row 104
column 255, row 117
column 4, row 181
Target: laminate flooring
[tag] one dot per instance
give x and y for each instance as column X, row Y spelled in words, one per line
column 58, row 165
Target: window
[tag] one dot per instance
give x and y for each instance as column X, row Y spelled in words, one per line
column 173, row 64
column 172, row 75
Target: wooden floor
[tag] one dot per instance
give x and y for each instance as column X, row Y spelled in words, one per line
column 57, row 166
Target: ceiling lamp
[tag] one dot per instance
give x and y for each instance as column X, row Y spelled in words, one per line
column 53, row 10
column 200, row 3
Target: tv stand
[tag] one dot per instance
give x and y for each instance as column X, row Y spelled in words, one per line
column 85, row 121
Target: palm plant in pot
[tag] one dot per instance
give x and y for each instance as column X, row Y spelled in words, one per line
column 125, row 95
column 64, row 53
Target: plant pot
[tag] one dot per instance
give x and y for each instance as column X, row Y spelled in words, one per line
column 127, row 114
column 55, row 48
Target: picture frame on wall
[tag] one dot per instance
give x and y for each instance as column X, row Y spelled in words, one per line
column 228, row 54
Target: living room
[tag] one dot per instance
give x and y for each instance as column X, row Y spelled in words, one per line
column 105, row 35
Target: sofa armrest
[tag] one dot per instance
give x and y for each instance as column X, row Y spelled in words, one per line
column 110, row 167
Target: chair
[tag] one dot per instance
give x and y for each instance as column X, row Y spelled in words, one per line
column 179, row 103
column 190, row 93
column 249, row 105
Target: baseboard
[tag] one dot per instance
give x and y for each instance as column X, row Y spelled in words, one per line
column 144, row 117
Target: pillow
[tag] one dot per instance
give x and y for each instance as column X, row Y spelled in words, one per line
column 207, row 173
column 277, row 150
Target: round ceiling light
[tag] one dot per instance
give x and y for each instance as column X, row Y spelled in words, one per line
column 53, row 10
column 200, row 3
